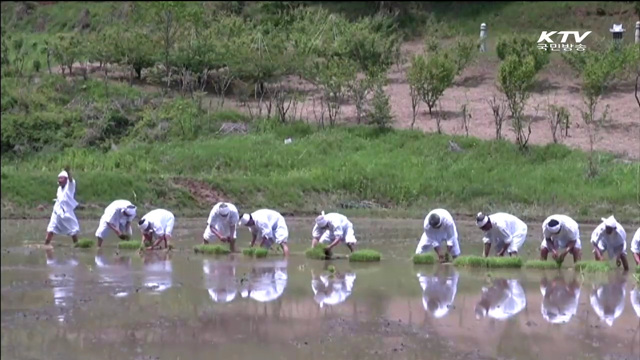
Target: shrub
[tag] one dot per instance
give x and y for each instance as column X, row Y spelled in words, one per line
column 522, row 48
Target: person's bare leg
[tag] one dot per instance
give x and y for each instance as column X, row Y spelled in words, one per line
column 351, row 247
column 625, row 262
column 577, row 255
column 74, row 238
column 232, row 245
column 314, row 243
column 99, row 242
column 514, row 253
column 544, row 253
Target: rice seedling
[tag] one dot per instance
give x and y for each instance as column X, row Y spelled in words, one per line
column 490, row 262
column 129, row 245
column 211, row 249
column 365, row 255
column 84, row 243
column 592, row 266
column 318, row 253
column 424, row 259
column 542, row 264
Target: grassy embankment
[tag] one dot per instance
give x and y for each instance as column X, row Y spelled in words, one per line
column 321, row 169
column 167, row 153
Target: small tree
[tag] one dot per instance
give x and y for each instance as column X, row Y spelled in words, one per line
column 436, row 73
column 515, row 77
column 464, row 53
column 522, row 48
column 380, row 112
column 558, row 117
column 498, row 109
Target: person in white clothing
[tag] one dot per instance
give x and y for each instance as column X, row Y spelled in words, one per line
column 332, row 229
column 560, row 299
column 117, row 217
column 63, row 218
column 501, row 301
column 270, row 226
column 439, row 290
column 635, row 299
column 266, row 281
column 607, row 300
column 438, row 227
column 157, row 224
column 221, row 224
column 635, row 247
column 560, row 232
column 610, row 236
column 331, row 289
column 505, row 231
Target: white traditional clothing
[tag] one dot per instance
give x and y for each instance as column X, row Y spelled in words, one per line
column 615, row 243
column 270, row 224
column 559, row 303
column 505, row 300
column 220, row 280
column 268, row 282
column 608, row 301
column 569, row 231
column 505, row 229
column 332, row 225
column 635, row 300
column 161, row 220
column 332, row 291
column 438, row 293
column 222, row 224
column 158, row 273
column 120, row 214
column 432, row 236
column 635, row 242
column 63, row 218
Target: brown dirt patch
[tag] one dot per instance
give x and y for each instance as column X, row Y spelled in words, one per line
column 202, row 192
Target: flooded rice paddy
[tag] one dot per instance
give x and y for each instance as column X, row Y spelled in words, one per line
column 71, row 303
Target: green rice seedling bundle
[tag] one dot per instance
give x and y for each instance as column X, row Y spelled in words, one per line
column 365, row 255
column 211, row 249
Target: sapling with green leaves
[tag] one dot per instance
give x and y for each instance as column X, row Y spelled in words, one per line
column 515, row 79
column 433, row 74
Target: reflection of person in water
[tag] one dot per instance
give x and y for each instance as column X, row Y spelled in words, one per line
column 560, row 300
column 62, row 278
column 267, row 281
column 635, row 299
column 439, row 291
column 607, row 300
column 220, row 280
column 157, row 270
column 501, row 301
column 115, row 272
column 332, row 289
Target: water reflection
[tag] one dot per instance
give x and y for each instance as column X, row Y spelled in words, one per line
column 439, row 290
column 115, row 272
column 158, row 271
column 266, row 281
column 635, row 299
column 560, row 300
column 332, row 289
column 220, row 280
column 61, row 275
column 504, row 299
column 607, row 300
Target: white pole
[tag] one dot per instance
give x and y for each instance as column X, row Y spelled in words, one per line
column 483, row 37
column 638, row 32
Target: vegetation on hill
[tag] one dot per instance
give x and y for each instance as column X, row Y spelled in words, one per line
column 170, row 145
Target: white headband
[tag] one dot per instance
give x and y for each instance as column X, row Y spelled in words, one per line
column 144, row 224
column 482, row 222
column 244, row 220
column 554, row 229
column 63, row 174
column 610, row 222
column 223, row 210
column 321, row 221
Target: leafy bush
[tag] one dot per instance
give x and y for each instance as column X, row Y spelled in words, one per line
column 432, row 75
column 522, row 48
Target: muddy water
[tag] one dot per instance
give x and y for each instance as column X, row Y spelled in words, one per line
column 88, row 304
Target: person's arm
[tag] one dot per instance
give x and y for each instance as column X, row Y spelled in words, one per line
column 338, row 234
column 254, row 236
column 487, row 249
column 452, row 236
column 504, row 234
column 68, row 170
column 636, row 257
